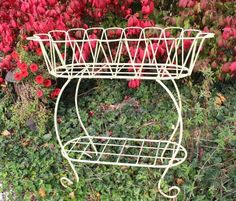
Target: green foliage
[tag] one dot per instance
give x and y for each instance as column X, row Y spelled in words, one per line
column 32, row 163
column 28, row 108
column 30, row 160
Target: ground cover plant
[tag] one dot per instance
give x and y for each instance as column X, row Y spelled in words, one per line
column 32, row 164
column 30, row 159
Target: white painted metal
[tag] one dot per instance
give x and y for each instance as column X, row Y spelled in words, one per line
column 118, row 57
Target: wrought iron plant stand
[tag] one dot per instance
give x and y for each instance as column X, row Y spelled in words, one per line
column 123, row 53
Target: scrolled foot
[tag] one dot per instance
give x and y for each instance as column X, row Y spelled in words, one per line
column 65, row 182
column 172, row 192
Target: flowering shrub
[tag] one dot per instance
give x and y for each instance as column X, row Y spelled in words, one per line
column 23, row 72
column 19, row 19
column 211, row 144
column 218, row 17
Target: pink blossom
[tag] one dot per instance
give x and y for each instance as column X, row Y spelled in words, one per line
column 134, row 84
column 203, row 4
column 133, row 21
column 232, row 67
column 228, row 20
column 93, row 40
column 146, row 23
column 234, row 32
column 141, row 53
column 144, row 2
column 133, row 51
column 148, row 9
column 227, row 33
column 220, row 42
column 156, row 49
column 206, row 29
column 52, row 2
column 183, row 3
column 225, row 68
column 187, row 3
column 187, row 44
column 99, row 3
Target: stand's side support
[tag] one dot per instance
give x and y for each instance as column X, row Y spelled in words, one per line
column 78, row 115
column 174, row 190
column 64, row 180
column 178, row 109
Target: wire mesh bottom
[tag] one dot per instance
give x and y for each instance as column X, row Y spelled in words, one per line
column 125, row 151
column 118, row 71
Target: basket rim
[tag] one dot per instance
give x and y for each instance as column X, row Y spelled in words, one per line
column 200, row 34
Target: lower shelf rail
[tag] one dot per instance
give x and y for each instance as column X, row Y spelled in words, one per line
column 125, row 151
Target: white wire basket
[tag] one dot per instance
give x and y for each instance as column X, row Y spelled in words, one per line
column 123, row 53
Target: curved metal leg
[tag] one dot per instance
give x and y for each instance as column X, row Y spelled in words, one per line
column 174, row 190
column 179, row 109
column 78, row 115
column 63, row 180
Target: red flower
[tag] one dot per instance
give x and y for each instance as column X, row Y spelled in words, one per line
column 225, row 68
column 47, row 83
column 148, row 9
column 39, row 79
column 91, row 113
column 92, row 40
column 15, row 55
column 55, row 93
column 34, row 67
column 18, row 76
column 1, row 80
column 134, row 84
column 39, row 51
column 52, row 2
column 228, row 31
column 233, row 67
column 39, row 93
column 24, row 73
column 187, row 44
column 99, row 3
column 23, row 66
column 133, row 21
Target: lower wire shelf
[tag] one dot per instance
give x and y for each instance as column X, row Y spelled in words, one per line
column 124, row 151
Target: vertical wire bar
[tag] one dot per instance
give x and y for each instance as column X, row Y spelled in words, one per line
column 128, row 50
column 123, row 146
column 136, row 52
column 119, row 40
column 103, row 149
column 141, row 149
column 158, row 148
column 144, row 55
column 107, row 60
column 190, row 51
column 79, row 118
column 119, row 53
column 84, row 151
column 158, row 44
column 197, row 53
column 169, row 53
column 108, row 45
